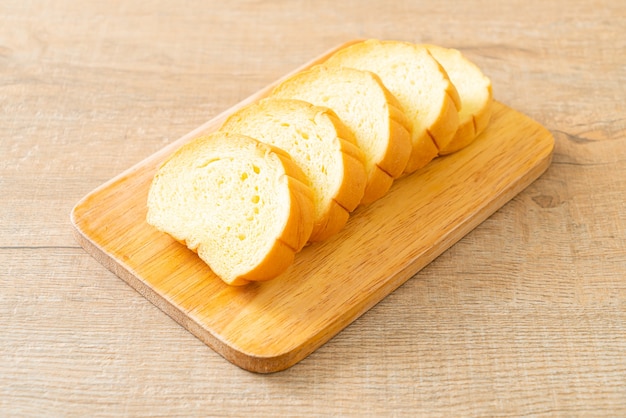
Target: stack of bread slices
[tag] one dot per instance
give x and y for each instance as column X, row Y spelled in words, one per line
column 289, row 169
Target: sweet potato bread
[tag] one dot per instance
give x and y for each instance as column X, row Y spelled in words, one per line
column 474, row 90
column 368, row 109
column 242, row 205
column 421, row 85
column 290, row 168
column 320, row 145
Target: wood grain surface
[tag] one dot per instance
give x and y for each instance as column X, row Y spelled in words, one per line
column 267, row 327
column 524, row 316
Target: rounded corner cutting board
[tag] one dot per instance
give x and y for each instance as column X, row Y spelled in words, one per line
column 270, row 326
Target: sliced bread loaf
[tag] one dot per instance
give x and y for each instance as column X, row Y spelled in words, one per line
column 368, row 109
column 321, row 146
column 475, row 91
column 428, row 98
column 242, row 205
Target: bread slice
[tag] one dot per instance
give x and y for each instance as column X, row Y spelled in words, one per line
column 475, row 91
column 242, row 205
column 421, row 85
column 368, row 109
column 321, row 146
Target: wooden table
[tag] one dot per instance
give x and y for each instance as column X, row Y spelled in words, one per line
column 526, row 315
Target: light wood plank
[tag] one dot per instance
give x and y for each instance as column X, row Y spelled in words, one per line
column 267, row 327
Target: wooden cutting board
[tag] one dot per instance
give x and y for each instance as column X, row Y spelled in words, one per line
column 267, row 327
